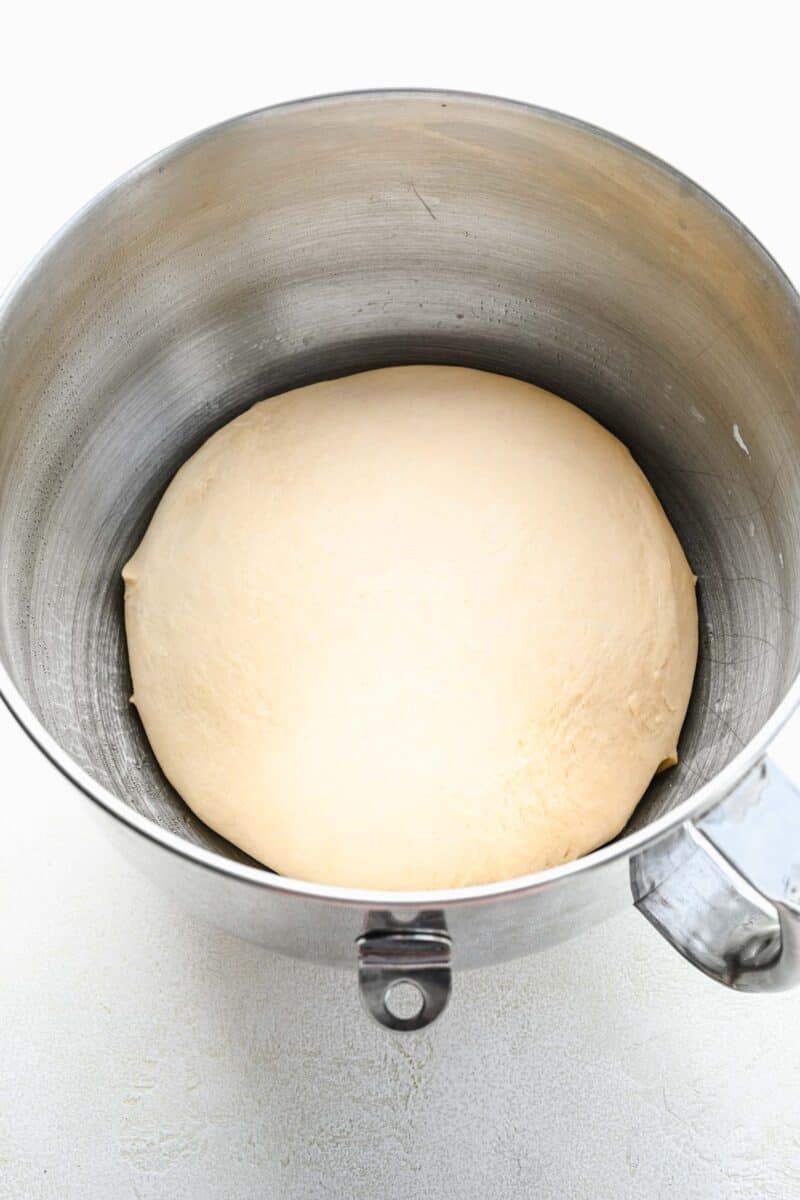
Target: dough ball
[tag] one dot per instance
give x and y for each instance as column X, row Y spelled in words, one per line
column 421, row 627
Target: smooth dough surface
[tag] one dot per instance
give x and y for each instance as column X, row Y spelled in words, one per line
column 416, row 628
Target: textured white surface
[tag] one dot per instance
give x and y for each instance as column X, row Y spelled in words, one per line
column 143, row 1055
column 146, row 1055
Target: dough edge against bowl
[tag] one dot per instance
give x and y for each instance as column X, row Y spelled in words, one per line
column 415, row 628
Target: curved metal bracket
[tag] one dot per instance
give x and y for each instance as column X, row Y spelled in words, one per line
column 417, row 953
column 725, row 889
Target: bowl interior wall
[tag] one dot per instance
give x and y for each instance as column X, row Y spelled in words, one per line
column 315, row 241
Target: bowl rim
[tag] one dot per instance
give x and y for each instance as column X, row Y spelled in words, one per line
column 623, row 847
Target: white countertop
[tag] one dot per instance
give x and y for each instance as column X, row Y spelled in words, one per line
column 143, row 1054
column 146, row 1055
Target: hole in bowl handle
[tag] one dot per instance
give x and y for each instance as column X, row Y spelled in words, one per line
column 724, row 888
column 396, row 953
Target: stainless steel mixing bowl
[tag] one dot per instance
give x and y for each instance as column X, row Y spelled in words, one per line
column 348, row 232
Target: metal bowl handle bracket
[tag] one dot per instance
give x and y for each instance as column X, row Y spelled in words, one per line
column 416, row 953
column 724, row 888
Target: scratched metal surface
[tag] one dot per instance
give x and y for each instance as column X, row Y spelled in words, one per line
column 352, row 234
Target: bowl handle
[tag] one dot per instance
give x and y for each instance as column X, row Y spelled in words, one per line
column 724, row 888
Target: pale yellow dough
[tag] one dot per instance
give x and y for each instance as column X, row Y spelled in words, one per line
column 417, row 628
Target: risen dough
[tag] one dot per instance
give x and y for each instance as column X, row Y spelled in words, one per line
column 417, row 628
